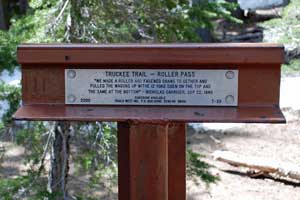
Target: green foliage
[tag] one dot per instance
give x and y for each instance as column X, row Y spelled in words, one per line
column 285, row 30
column 11, row 94
column 31, row 28
column 8, row 45
column 32, row 137
column 34, row 185
column 84, row 197
column 98, row 154
column 197, row 168
column 291, row 68
column 20, row 31
column 143, row 21
column 12, row 186
column 29, row 186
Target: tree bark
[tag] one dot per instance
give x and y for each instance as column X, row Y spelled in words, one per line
column 23, row 6
column 8, row 7
column 257, row 36
column 60, row 161
column 3, row 15
column 77, row 22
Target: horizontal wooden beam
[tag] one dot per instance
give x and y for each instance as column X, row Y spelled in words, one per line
column 155, row 54
column 155, row 114
column 258, row 65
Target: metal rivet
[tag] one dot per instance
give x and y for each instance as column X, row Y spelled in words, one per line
column 67, row 58
column 229, row 99
column 229, row 74
column 71, row 74
column 71, row 98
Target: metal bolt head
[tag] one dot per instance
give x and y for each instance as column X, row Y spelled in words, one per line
column 229, row 99
column 71, row 74
column 229, row 74
column 71, row 98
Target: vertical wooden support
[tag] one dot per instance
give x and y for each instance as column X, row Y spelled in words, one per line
column 176, row 161
column 123, row 161
column 143, row 161
column 151, row 161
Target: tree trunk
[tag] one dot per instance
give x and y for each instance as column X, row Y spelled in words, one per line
column 3, row 15
column 80, row 19
column 60, row 147
column 23, row 6
column 60, row 161
column 75, row 29
column 8, row 7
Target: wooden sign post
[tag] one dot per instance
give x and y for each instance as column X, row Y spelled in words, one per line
column 151, row 91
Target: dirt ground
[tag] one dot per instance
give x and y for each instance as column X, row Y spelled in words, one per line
column 276, row 141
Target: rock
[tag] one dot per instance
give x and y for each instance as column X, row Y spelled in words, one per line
column 248, row 37
column 261, row 4
column 291, row 52
column 264, row 15
column 249, row 34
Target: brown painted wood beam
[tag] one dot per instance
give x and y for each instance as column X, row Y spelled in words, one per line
column 151, row 161
column 176, row 161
